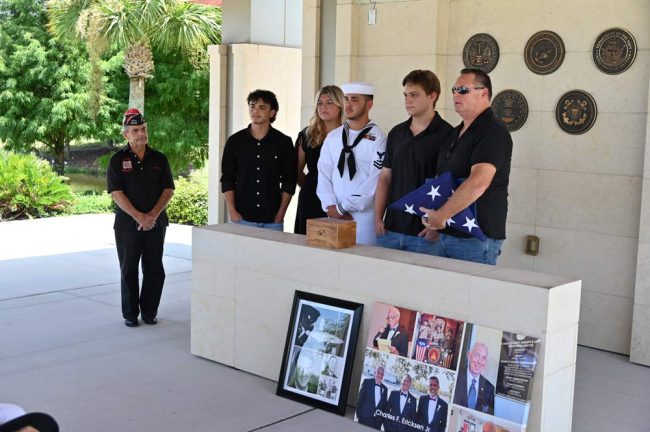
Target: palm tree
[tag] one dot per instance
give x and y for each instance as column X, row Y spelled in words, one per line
column 135, row 26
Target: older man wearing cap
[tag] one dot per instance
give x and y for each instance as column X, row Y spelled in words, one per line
column 140, row 182
column 350, row 163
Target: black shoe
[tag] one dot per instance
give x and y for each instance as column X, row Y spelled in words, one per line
column 131, row 322
column 150, row 321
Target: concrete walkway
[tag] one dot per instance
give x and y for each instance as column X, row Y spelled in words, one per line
column 64, row 349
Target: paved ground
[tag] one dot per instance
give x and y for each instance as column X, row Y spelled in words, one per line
column 65, row 351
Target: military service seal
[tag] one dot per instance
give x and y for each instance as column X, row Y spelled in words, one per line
column 511, row 107
column 481, row 52
column 614, row 51
column 576, row 112
column 544, row 52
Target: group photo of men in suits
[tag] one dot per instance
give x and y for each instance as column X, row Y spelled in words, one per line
column 400, row 410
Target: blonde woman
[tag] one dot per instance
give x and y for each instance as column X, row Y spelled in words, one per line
column 328, row 115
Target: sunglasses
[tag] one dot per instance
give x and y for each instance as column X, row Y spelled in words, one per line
column 464, row 90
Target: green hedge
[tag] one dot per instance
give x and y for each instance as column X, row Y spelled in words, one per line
column 30, row 188
column 92, row 203
column 189, row 205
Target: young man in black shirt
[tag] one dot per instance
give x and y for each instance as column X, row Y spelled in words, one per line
column 140, row 182
column 411, row 157
column 478, row 153
column 258, row 168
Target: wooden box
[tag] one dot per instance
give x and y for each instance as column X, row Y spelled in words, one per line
column 331, row 233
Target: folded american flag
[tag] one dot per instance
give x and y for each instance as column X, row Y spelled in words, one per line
column 432, row 195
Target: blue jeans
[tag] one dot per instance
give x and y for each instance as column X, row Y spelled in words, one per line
column 393, row 240
column 271, row 226
column 470, row 249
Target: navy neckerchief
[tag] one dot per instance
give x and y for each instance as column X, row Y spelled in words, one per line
column 352, row 166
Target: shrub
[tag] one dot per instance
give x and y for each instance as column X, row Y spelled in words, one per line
column 91, row 203
column 189, row 205
column 30, row 188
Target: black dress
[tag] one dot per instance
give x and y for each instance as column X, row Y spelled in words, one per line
column 309, row 206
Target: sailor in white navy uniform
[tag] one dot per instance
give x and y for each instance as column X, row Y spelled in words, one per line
column 350, row 163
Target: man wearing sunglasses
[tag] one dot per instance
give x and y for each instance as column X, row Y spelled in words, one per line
column 478, row 154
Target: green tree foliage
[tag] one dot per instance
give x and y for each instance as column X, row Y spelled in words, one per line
column 177, row 113
column 189, row 205
column 30, row 188
column 135, row 27
column 177, row 33
column 178, row 109
column 43, row 85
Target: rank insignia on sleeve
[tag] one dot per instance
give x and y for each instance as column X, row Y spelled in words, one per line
column 379, row 162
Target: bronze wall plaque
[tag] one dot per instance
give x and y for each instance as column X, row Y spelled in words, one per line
column 511, row 107
column 481, row 52
column 544, row 52
column 576, row 112
column 614, row 51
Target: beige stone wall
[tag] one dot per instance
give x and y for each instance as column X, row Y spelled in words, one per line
column 580, row 194
column 243, row 282
column 385, row 52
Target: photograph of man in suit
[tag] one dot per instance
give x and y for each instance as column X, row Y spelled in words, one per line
column 473, row 390
column 432, row 411
column 372, row 397
column 394, row 332
column 401, row 405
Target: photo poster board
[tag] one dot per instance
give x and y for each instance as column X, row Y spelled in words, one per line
column 505, row 364
column 445, row 348
column 405, row 349
column 319, row 351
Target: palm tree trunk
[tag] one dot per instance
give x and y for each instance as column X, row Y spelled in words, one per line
column 136, row 94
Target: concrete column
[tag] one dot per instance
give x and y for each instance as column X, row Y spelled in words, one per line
column 640, row 342
column 311, row 11
column 217, row 130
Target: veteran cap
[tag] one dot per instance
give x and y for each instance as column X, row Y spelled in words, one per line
column 133, row 117
column 358, row 88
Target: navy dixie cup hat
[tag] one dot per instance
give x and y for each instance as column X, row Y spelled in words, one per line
column 133, row 117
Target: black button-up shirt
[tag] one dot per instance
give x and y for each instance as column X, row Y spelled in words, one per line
column 258, row 171
column 485, row 141
column 412, row 159
column 142, row 181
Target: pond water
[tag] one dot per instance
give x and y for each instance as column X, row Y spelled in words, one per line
column 86, row 182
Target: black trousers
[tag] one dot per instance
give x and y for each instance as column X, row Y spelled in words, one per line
column 39, row 421
column 134, row 246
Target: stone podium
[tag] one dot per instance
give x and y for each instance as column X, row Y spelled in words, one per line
column 243, row 282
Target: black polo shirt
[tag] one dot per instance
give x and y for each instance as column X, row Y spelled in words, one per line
column 141, row 181
column 412, row 160
column 485, row 141
column 259, row 171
